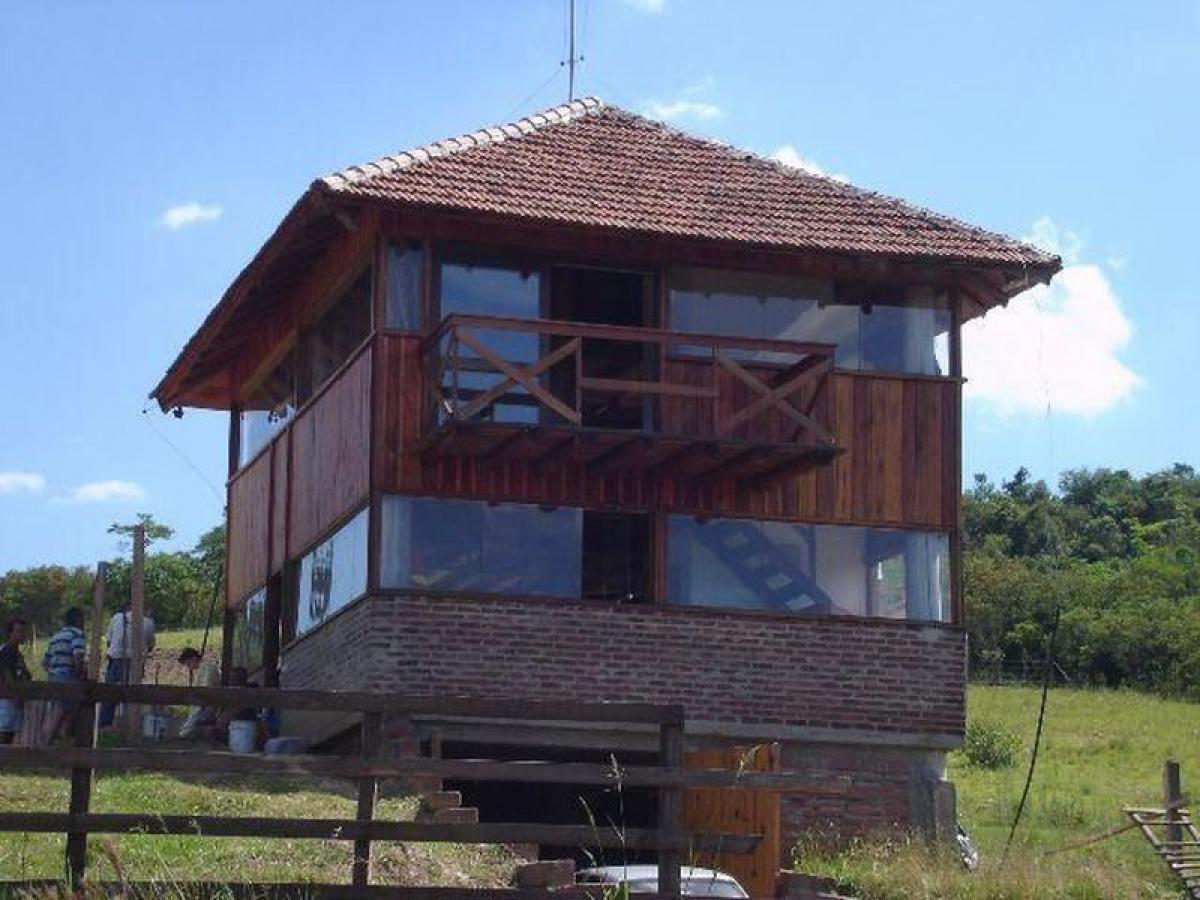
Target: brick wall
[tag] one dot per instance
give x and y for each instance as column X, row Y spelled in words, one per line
column 775, row 671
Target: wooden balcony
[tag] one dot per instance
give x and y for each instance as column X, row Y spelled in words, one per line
column 623, row 398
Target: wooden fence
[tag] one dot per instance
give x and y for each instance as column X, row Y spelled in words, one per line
column 82, row 759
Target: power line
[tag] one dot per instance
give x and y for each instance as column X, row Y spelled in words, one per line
column 178, row 452
column 521, row 104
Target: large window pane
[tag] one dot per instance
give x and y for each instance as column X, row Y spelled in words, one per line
column 403, row 308
column 332, row 574
column 461, row 545
column 907, row 335
column 891, row 328
column 810, row 569
column 339, row 331
column 707, row 301
column 492, row 291
column 268, row 409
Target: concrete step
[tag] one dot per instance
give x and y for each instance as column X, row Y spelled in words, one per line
column 436, row 800
column 462, row 815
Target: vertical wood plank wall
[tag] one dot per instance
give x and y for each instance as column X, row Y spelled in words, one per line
column 249, row 509
column 330, row 455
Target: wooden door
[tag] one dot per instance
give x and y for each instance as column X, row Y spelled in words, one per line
column 738, row 810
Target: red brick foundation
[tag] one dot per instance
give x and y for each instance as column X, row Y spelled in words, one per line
column 868, row 699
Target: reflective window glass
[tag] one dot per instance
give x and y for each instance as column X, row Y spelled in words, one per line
column 487, row 548
column 333, row 574
column 404, row 269
column 810, row 569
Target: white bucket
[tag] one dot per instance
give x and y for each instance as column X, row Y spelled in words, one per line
column 242, row 736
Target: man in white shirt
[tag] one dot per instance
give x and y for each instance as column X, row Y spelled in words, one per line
column 120, row 655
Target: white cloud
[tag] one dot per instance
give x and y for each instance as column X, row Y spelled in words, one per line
column 15, row 482
column 681, row 110
column 185, row 214
column 112, row 491
column 1058, row 345
column 647, row 6
column 790, row 156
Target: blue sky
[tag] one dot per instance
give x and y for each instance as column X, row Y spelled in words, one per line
column 149, row 148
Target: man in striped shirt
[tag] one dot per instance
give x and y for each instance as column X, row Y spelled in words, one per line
column 65, row 659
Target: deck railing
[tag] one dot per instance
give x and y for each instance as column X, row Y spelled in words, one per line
column 669, row 777
column 577, row 362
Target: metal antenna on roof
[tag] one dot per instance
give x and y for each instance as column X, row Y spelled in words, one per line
column 572, row 59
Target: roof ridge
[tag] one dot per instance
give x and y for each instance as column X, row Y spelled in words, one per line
column 482, row 137
column 838, row 185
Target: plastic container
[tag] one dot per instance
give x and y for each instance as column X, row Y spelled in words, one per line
column 242, row 736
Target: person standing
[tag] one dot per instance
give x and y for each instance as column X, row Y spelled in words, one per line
column 12, row 670
column 65, row 660
column 120, row 654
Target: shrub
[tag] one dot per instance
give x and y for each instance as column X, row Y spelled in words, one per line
column 990, row 746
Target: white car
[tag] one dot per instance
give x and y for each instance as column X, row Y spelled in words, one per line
column 694, row 882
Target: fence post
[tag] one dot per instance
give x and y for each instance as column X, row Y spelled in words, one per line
column 372, row 739
column 1172, row 792
column 83, row 734
column 670, row 806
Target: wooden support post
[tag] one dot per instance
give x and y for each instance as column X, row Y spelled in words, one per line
column 1172, row 791
column 83, row 734
column 134, row 633
column 95, row 643
column 670, row 808
column 372, row 740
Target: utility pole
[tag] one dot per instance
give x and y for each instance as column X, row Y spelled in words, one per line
column 134, row 635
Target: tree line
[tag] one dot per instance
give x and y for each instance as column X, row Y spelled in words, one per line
column 179, row 585
column 1117, row 556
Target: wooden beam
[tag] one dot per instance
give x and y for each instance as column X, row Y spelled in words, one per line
column 134, row 630
column 771, row 397
column 658, row 388
column 354, row 701
column 353, row 830
column 126, row 759
column 487, row 398
column 616, row 455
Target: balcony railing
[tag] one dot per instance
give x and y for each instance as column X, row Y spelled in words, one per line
column 640, row 386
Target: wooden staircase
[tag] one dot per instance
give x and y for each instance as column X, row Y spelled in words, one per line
column 1179, row 843
column 764, row 568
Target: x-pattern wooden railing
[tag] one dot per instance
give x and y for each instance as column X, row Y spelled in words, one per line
column 525, row 383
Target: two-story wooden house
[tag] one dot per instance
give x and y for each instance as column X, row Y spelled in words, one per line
column 587, row 407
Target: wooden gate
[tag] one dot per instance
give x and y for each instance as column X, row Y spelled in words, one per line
column 705, row 809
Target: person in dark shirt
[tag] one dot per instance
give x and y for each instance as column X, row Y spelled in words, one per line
column 12, row 670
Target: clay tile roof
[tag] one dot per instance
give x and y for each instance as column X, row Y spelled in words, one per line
column 585, row 163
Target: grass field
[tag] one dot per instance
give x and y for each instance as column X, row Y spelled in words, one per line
column 1101, row 750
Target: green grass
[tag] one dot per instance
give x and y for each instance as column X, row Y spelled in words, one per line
column 1101, row 750
column 35, row 856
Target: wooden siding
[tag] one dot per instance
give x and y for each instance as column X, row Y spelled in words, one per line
column 399, row 409
column 329, row 469
column 900, row 436
column 249, row 514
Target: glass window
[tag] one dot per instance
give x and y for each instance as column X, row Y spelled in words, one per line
column 811, row 569
column 267, row 410
column 906, row 335
column 492, row 291
column 333, row 574
column 887, row 328
column 708, row 301
column 339, row 331
column 249, row 627
column 404, row 269
column 487, row 548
